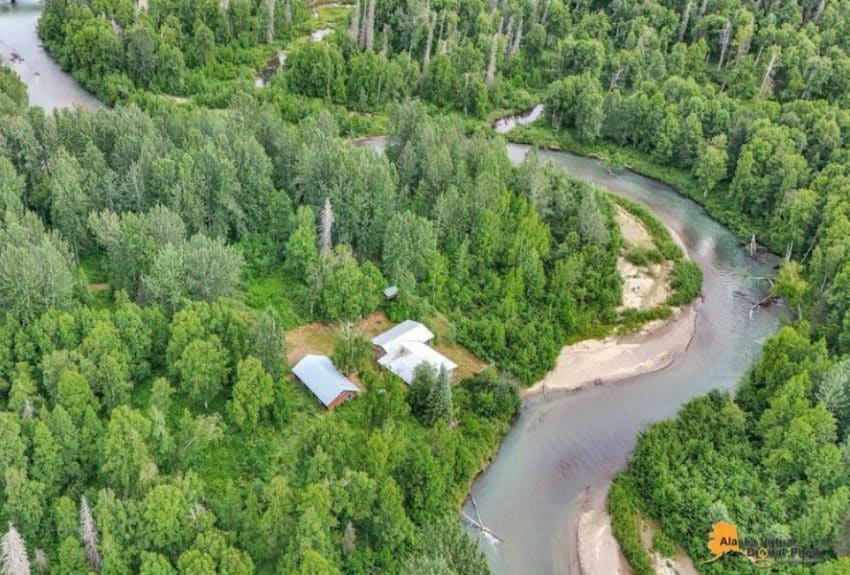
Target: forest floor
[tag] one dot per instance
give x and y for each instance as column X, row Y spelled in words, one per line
column 655, row 346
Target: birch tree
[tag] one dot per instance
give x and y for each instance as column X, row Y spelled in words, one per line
column 14, row 553
column 327, row 225
column 88, row 534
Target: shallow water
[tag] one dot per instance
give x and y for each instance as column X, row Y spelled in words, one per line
column 48, row 85
column 531, row 493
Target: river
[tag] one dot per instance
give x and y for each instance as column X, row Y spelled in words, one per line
column 48, row 86
column 531, row 493
column 566, row 447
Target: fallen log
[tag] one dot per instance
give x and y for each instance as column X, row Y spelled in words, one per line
column 479, row 526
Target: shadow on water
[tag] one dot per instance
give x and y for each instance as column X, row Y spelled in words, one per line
column 531, row 494
column 48, row 86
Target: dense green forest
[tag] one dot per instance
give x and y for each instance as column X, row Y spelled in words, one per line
column 742, row 105
column 149, row 262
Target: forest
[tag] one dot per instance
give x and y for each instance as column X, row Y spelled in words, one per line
column 202, row 186
column 151, row 260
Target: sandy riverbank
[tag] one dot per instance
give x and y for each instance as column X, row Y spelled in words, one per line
column 655, row 346
column 595, row 362
column 598, row 550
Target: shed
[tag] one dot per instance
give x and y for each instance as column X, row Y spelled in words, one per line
column 320, row 376
column 390, row 292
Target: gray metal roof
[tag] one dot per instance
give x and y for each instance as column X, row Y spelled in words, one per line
column 414, row 329
column 391, row 291
column 318, row 373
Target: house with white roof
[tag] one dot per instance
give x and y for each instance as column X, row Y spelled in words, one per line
column 320, row 376
column 405, row 347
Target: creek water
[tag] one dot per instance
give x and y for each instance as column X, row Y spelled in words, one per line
column 567, row 446
column 531, row 493
column 48, row 86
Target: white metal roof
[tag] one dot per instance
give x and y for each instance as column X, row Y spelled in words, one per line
column 318, row 373
column 406, row 331
column 409, row 355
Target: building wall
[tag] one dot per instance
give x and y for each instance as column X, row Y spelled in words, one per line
column 342, row 397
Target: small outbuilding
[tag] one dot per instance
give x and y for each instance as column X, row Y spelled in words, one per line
column 320, row 376
column 406, row 346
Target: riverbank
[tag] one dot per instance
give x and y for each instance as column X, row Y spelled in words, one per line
column 597, row 362
column 598, row 550
column 655, row 346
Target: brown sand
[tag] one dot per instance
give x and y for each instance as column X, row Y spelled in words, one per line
column 598, row 550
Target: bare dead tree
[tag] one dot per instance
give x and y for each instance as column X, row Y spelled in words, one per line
column 349, row 539
column 42, row 563
column 13, row 553
column 491, row 66
column 287, row 11
column 327, row 225
column 429, row 40
column 385, row 39
column 27, row 411
column 270, row 6
column 686, row 16
column 88, row 534
column 702, row 8
column 819, row 11
column 361, row 39
column 370, row 26
column 615, row 78
column 509, row 34
column 725, row 37
column 354, row 26
column 517, row 39
column 767, row 79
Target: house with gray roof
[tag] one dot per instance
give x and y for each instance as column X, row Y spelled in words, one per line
column 320, row 376
column 405, row 347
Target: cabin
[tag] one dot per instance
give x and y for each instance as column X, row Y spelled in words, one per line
column 405, row 346
column 320, row 376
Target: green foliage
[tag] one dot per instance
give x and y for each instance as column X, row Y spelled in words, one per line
column 253, row 393
column 623, row 509
column 685, row 282
column 663, row 544
column 641, row 256
column 700, row 467
column 352, row 351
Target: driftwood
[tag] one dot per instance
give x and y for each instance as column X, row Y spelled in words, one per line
column 477, row 522
column 767, row 300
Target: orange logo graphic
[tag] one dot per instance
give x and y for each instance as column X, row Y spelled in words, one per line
column 723, row 539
